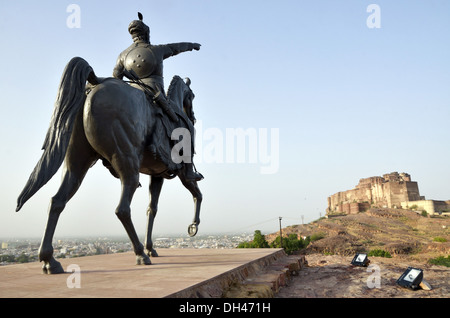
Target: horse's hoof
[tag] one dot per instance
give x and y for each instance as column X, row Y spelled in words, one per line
column 143, row 260
column 52, row 267
column 152, row 253
column 192, row 229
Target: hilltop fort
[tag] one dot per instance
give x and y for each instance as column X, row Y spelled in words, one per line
column 392, row 190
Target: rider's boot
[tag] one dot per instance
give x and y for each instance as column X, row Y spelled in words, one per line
column 191, row 174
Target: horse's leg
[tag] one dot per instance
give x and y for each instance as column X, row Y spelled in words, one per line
column 79, row 159
column 192, row 186
column 69, row 186
column 127, row 168
column 156, row 184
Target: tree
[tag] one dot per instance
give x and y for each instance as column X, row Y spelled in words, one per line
column 7, row 258
column 290, row 243
column 259, row 241
column 23, row 258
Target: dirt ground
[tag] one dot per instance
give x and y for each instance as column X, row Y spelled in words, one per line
column 333, row 276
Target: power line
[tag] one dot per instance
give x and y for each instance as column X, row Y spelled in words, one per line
column 253, row 225
column 266, row 221
column 290, row 218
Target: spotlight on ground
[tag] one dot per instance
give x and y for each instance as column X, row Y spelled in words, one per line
column 411, row 278
column 360, row 260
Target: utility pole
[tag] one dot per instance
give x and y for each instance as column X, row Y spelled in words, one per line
column 281, row 234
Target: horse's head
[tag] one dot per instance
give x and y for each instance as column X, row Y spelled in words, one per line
column 181, row 95
column 188, row 100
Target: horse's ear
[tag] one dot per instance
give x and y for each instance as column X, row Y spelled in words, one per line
column 140, row 16
column 188, row 81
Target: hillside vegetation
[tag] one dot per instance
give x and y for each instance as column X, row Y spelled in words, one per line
column 394, row 232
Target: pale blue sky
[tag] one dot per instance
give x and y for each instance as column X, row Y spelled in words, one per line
column 349, row 102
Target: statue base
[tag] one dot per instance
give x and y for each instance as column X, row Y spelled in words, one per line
column 176, row 273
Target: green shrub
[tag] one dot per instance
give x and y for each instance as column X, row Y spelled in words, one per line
column 380, row 253
column 290, row 243
column 440, row 239
column 317, row 236
column 441, row 260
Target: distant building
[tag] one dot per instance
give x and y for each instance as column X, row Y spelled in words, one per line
column 430, row 206
column 4, row 245
column 392, row 190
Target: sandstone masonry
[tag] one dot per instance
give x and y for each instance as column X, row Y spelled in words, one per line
column 392, row 190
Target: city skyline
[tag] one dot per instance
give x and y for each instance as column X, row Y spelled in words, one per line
column 324, row 92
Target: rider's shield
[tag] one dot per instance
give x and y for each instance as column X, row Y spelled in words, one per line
column 141, row 60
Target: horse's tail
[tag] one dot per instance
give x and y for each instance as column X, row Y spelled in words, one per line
column 70, row 99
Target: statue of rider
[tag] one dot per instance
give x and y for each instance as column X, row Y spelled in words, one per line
column 145, row 61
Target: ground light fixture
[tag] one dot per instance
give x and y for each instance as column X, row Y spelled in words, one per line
column 360, row 259
column 411, row 278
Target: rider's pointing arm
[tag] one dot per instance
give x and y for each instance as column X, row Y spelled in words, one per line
column 176, row 48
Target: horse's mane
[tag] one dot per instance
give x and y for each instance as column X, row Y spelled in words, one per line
column 172, row 85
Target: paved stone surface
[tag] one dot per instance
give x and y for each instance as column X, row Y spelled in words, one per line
column 175, row 273
column 332, row 276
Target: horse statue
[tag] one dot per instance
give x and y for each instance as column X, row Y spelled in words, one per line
column 107, row 119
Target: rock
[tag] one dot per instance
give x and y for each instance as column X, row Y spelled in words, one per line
column 425, row 285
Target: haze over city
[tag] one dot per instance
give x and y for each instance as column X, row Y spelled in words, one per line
column 324, row 93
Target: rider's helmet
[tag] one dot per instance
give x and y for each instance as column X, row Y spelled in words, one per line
column 139, row 30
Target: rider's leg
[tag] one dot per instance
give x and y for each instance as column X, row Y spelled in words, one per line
column 191, row 173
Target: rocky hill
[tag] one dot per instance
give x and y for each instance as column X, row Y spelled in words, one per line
column 402, row 233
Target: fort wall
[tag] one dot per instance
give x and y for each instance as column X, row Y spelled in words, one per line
column 430, row 206
column 392, row 190
column 388, row 191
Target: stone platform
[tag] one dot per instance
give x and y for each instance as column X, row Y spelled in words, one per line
column 175, row 273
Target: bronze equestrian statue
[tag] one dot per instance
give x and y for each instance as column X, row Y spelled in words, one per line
column 115, row 121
